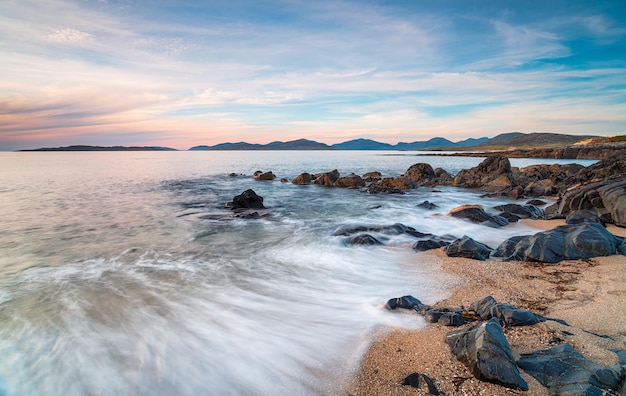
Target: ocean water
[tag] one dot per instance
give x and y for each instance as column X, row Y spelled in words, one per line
column 121, row 273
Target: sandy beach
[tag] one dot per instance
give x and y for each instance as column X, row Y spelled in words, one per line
column 588, row 294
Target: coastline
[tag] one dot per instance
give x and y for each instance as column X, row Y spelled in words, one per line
column 588, row 294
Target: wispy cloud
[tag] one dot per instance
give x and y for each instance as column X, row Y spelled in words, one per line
column 189, row 73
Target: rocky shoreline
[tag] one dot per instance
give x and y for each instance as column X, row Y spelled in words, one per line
column 513, row 336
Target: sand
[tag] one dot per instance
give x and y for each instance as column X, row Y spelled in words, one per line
column 589, row 294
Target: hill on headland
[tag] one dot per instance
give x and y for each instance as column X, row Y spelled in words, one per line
column 502, row 141
column 103, row 148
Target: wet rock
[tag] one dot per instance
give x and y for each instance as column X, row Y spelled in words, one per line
column 485, row 351
column 433, row 242
column 567, row 242
column 536, row 202
column 523, row 211
column 476, row 214
column 606, row 198
column 468, row 248
column 391, row 185
column 283, row 180
column 394, row 229
column 421, row 381
column 258, row 175
column 363, row 239
column 303, row 178
column 494, row 171
column 565, row 371
column 372, row 176
column 247, row 200
column 421, row 173
column 253, row 215
column 582, row 216
column 427, row 205
column 350, row 181
column 443, row 177
column 406, row 302
column 326, row 178
column 507, row 315
column 512, row 218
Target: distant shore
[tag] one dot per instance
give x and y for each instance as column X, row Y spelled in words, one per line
column 588, row 294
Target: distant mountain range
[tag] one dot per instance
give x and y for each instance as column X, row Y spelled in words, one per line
column 511, row 140
column 505, row 140
column 103, row 148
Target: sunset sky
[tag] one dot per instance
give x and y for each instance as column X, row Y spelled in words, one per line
column 180, row 73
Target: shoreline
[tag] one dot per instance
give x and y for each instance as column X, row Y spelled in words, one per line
column 589, row 294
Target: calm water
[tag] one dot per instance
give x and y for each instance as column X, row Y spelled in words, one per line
column 119, row 274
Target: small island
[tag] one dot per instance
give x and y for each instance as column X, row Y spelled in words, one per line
column 103, row 148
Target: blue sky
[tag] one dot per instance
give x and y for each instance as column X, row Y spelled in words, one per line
column 184, row 73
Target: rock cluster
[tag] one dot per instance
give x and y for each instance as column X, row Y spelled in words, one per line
column 484, row 349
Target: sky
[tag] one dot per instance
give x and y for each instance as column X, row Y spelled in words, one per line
column 180, row 73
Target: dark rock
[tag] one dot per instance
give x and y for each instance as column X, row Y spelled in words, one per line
column 476, row 214
column 443, row 177
column 583, row 216
column 394, row 229
column 362, row 239
column 350, row 181
column 430, row 244
column 452, row 319
column 253, row 215
column 326, row 178
column 417, row 380
column 421, row 173
column 564, row 371
column 494, row 171
column 536, row 202
column 512, row 218
column 406, row 302
column 485, row 351
column 392, row 185
column 508, row 315
column 264, row 175
column 372, row 176
column 433, row 315
column 248, row 200
column 523, row 211
column 606, row 198
column 303, row 178
column 567, row 242
column 283, row 180
column 468, row 248
column 427, row 205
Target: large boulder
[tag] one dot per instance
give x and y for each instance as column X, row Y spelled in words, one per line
column 326, row 178
column 421, row 173
column 392, row 185
column 476, row 214
column 606, row 198
column 406, row 302
column 565, row 371
column 350, row 181
column 247, row 200
column 258, row 175
column 566, row 242
column 485, row 351
column 468, row 248
column 303, row 178
column 494, row 171
column 522, row 211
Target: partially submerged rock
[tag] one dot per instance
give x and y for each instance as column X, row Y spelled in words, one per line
column 433, row 242
column 406, row 302
column 565, row 371
column 391, row 185
column 303, row 178
column 363, row 239
column 247, row 200
column 485, row 351
column 259, row 175
column 468, row 248
column 566, row 242
column 476, row 214
column 350, row 181
column 326, row 178
column 522, row 211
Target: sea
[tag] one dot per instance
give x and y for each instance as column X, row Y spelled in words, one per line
column 123, row 273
